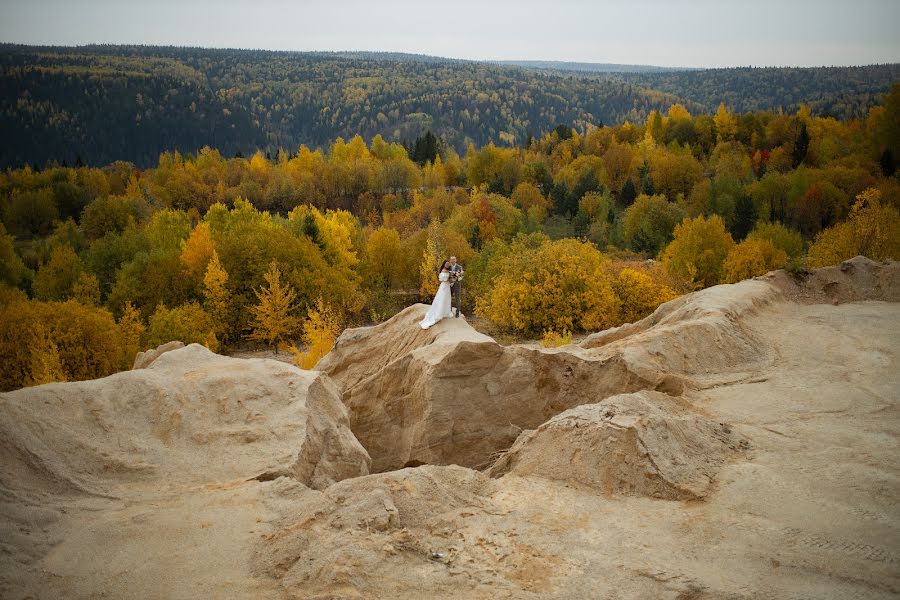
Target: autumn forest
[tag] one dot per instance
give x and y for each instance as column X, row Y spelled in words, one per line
column 272, row 199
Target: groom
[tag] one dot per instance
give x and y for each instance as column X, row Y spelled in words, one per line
column 455, row 289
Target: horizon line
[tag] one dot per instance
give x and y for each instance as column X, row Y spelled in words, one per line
column 448, row 58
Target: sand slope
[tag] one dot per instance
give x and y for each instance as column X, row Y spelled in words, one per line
column 748, row 449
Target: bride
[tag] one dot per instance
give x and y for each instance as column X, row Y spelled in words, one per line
column 440, row 308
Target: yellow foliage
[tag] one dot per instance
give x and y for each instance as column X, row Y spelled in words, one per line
column 187, row 323
column 272, row 319
column 383, row 260
column 57, row 341
column 639, row 295
column 872, row 230
column 552, row 339
column 751, row 258
column 678, row 111
column 197, row 250
column 617, row 160
column 217, row 298
column 726, row 124
column 320, row 330
column 555, row 286
column 56, row 278
column 698, row 250
column 132, row 327
column 46, row 365
column 780, row 236
column 528, row 198
column 86, row 290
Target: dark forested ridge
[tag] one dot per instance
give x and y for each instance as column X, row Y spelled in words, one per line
column 839, row 92
column 106, row 103
column 589, row 67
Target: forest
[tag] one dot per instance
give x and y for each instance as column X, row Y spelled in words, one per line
column 97, row 104
column 576, row 231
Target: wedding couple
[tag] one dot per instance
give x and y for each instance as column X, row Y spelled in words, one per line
column 450, row 275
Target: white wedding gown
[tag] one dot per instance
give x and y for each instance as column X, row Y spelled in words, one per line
column 440, row 308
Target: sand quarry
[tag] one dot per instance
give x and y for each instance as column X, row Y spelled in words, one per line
column 739, row 443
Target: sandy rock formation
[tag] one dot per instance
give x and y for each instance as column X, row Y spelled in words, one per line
column 166, row 482
column 642, row 444
column 146, row 358
column 191, row 416
column 451, row 395
column 403, row 534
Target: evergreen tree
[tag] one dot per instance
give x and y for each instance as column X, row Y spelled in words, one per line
column 801, row 146
column 744, row 217
column 425, row 149
column 563, row 132
column 888, row 163
column 628, row 193
column 311, row 228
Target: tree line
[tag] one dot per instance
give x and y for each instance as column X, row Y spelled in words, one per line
column 98, row 104
column 576, row 231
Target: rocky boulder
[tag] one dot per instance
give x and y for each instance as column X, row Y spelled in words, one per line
column 189, row 417
column 641, row 444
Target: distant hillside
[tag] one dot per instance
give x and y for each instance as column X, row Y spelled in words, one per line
column 107, row 103
column 841, row 92
column 555, row 65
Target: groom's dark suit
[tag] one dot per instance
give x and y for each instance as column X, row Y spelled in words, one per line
column 456, row 288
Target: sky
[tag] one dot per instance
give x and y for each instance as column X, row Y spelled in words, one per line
column 687, row 33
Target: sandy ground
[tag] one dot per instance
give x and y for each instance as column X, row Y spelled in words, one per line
column 810, row 511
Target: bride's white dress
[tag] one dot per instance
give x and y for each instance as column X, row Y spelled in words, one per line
column 440, row 308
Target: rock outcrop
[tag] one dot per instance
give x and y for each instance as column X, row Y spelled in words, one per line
column 190, row 417
column 451, row 395
column 641, row 444
column 145, row 359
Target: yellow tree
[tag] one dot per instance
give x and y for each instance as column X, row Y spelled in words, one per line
column 698, row 250
column 872, row 230
column 639, row 294
column 56, row 278
column 726, row 124
column 428, row 269
column 272, row 320
column 86, row 290
column 750, row 258
column 197, row 250
column 320, row 330
column 217, row 298
column 528, row 198
column 46, row 365
column 617, row 160
column 132, row 327
column 383, row 260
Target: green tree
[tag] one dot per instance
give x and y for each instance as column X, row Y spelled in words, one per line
column 649, row 222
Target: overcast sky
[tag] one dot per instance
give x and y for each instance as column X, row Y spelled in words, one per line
column 671, row 33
